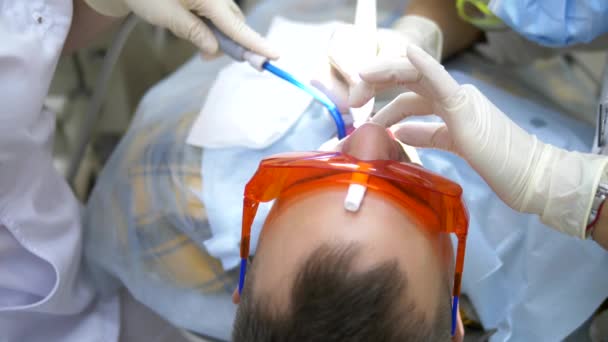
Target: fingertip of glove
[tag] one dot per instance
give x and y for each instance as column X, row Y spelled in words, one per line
column 208, row 45
column 417, row 54
column 393, row 129
column 266, row 50
column 271, row 53
column 208, row 57
column 384, row 120
column 373, row 71
column 253, row 41
column 360, row 94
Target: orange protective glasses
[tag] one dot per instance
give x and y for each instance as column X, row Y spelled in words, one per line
column 407, row 184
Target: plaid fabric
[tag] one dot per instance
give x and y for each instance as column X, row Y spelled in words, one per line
column 172, row 251
column 158, row 221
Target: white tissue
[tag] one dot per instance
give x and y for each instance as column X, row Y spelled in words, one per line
column 248, row 108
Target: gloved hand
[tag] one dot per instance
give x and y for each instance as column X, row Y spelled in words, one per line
column 351, row 48
column 525, row 173
column 392, row 44
column 180, row 17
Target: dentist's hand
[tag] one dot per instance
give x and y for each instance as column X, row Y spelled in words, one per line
column 181, row 18
column 525, row 173
column 392, row 45
column 348, row 52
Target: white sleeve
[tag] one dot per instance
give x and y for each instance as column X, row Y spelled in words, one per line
column 43, row 294
column 37, row 206
column 25, row 279
column 42, row 215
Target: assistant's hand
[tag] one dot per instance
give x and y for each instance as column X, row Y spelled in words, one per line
column 352, row 47
column 181, row 18
column 392, row 45
column 525, row 173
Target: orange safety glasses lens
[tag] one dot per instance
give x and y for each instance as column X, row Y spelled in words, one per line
column 402, row 182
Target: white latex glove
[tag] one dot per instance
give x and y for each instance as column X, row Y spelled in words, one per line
column 180, row 17
column 392, row 44
column 525, row 173
column 352, row 47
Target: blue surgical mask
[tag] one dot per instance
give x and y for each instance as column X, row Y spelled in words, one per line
column 554, row 23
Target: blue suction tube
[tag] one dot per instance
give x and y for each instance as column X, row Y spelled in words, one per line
column 314, row 92
column 239, row 53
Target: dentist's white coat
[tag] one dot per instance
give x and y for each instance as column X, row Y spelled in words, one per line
column 43, row 293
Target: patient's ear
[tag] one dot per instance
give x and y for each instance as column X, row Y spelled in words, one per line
column 236, row 297
column 459, row 335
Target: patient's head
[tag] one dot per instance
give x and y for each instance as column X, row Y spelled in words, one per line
column 322, row 273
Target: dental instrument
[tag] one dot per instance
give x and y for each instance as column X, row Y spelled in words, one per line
column 356, row 191
column 367, row 46
column 351, row 48
column 365, row 21
column 241, row 54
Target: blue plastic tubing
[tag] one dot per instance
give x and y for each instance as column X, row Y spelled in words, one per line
column 314, row 92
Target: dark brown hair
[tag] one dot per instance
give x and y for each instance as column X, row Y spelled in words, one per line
column 329, row 302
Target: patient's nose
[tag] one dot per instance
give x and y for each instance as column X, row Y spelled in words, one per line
column 373, row 142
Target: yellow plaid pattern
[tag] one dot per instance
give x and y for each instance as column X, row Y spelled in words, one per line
column 163, row 173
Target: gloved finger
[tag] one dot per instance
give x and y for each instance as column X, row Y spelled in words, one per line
column 382, row 74
column 435, row 80
column 229, row 19
column 235, row 9
column 208, row 57
column 395, row 70
column 187, row 25
column 360, row 94
column 403, row 106
column 425, row 135
column 392, row 43
column 340, row 51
